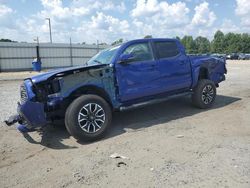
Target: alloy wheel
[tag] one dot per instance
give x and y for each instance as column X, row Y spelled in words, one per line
column 91, row 117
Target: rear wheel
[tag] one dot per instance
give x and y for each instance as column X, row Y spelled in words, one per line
column 204, row 94
column 88, row 117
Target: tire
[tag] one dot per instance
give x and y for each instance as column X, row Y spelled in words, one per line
column 88, row 117
column 204, row 94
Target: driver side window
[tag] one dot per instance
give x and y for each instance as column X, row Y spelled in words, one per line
column 140, row 52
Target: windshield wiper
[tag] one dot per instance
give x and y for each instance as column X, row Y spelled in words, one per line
column 97, row 61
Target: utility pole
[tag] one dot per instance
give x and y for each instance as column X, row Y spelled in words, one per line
column 49, row 30
column 37, row 40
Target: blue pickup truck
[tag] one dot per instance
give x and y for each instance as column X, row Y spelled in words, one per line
column 130, row 75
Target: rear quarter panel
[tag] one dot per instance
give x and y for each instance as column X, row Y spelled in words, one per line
column 216, row 68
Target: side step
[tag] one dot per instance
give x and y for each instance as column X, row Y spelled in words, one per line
column 153, row 101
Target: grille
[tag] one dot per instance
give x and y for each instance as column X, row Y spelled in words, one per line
column 23, row 93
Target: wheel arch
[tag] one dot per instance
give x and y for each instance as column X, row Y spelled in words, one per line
column 199, row 73
column 203, row 73
column 91, row 89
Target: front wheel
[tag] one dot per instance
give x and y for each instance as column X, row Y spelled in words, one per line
column 88, row 117
column 204, row 94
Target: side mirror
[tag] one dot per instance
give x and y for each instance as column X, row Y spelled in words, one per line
column 126, row 58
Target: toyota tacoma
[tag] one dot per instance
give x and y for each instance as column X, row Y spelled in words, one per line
column 130, row 75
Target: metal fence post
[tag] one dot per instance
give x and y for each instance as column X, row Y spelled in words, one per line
column 37, row 54
column 70, row 50
column 97, row 46
column 0, row 64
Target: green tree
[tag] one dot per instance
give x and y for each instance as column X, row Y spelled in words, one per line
column 178, row 38
column 221, row 43
column 6, row 40
column 232, row 43
column 218, row 43
column 103, row 43
column 202, row 45
column 189, row 44
column 245, row 43
column 148, row 37
column 119, row 41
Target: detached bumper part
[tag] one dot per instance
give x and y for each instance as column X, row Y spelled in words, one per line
column 33, row 113
column 13, row 119
column 24, row 129
column 30, row 116
column 21, row 127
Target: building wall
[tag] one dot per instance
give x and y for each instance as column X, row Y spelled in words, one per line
column 19, row 56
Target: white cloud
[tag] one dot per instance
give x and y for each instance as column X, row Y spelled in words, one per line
column 107, row 22
column 243, row 7
column 63, row 18
column 243, row 11
column 229, row 26
column 55, row 9
column 160, row 15
column 146, row 8
column 67, row 18
column 102, row 26
column 99, row 5
column 4, row 10
column 88, row 20
column 203, row 16
column 109, row 5
column 7, row 18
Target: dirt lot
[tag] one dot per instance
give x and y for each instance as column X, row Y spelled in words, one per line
column 168, row 145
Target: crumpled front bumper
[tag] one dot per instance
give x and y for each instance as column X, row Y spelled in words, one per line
column 31, row 111
column 32, row 114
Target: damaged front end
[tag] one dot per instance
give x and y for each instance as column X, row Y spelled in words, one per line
column 30, row 111
column 45, row 97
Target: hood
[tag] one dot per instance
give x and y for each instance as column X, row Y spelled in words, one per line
column 63, row 72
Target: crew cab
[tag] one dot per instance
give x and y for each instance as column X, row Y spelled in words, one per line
column 130, row 75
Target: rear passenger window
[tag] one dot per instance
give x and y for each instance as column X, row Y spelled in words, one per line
column 166, row 49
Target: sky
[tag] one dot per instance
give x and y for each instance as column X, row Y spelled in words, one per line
column 108, row 20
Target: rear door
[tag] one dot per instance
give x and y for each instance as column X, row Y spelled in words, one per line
column 175, row 69
column 140, row 77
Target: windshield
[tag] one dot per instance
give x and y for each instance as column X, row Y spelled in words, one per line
column 104, row 56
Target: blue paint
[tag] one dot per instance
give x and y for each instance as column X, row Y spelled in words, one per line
column 124, row 82
column 33, row 113
column 28, row 85
column 24, row 129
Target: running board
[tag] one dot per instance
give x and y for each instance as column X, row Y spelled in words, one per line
column 152, row 101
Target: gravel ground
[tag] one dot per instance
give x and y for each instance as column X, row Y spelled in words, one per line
column 171, row 144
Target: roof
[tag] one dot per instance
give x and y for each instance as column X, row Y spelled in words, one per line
column 153, row 39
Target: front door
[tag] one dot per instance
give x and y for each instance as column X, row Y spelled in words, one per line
column 139, row 77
